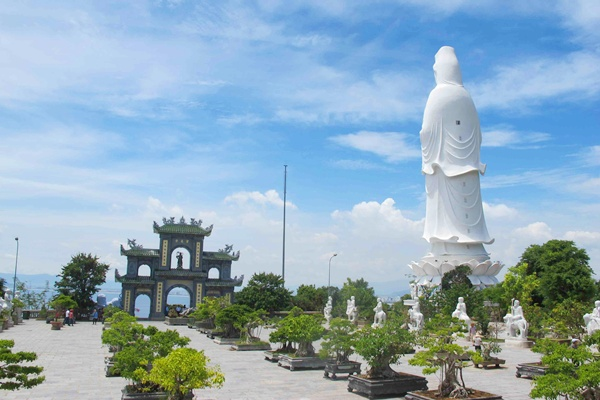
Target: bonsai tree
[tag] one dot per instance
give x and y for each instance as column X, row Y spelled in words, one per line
column 338, row 342
column 487, row 349
column 382, row 346
column 109, row 311
column 61, row 303
column 13, row 374
column 232, row 319
column 441, row 352
column 123, row 331
column 301, row 329
column 304, row 330
column 282, row 334
column 135, row 361
column 208, row 310
column 185, row 369
column 573, row 372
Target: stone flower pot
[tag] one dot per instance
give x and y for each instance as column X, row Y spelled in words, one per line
column 55, row 325
column 397, row 386
column 334, row 368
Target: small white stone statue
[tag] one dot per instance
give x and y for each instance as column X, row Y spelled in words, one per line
column 8, row 298
column 515, row 322
column 416, row 317
column 380, row 315
column 461, row 311
column 351, row 310
column 414, row 291
column 592, row 320
column 327, row 309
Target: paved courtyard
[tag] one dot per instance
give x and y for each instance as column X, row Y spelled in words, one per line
column 73, row 360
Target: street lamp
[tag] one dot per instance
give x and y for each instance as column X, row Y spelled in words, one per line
column 329, row 279
column 16, row 263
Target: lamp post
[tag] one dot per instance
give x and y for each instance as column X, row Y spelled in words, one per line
column 16, row 263
column 329, row 278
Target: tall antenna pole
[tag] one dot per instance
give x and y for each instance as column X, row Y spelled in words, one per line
column 284, row 201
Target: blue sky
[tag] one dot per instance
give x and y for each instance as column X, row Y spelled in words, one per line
column 117, row 114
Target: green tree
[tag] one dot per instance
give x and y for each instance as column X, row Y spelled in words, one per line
column 310, row 298
column 33, row 300
column 572, row 373
column 61, row 303
column 441, row 352
column 265, row 291
column 232, row 320
column 563, row 271
column 2, row 286
column 383, row 346
column 13, row 374
column 81, row 279
column 183, row 370
column 364, row 297
column 338, row 341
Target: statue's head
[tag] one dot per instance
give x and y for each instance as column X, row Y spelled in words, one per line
column 517, row 303
column 597, row 303
column 461, row 299
column 446, row 68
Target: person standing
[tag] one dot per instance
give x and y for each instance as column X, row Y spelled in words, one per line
column 95, row 316
column 71, row 317
column 472, row 331
column 67, row 320
column 477, row 342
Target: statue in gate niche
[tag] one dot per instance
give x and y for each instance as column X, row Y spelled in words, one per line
column 351, row 310
column 179, row 260
column 592, row 320
column 515, row 322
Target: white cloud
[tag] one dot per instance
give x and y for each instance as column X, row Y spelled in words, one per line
column 590, row 156
column 528, row 83
column 536, row 233
column 583, row 238
column 392, row 146
column 502, row 136
column 270, row 197
column 499, row 211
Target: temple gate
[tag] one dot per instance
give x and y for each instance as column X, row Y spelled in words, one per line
column 170, row 268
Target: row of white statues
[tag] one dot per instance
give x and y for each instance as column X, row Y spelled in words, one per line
column 352, row 311
column 515, row 321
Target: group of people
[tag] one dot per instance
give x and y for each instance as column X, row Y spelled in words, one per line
column 69, row 317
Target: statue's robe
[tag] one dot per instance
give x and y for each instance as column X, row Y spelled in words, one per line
column 450, row 144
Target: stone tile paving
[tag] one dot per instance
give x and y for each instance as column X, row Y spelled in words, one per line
column 73, row 359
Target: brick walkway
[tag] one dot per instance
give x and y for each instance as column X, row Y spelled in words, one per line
column 73, row 359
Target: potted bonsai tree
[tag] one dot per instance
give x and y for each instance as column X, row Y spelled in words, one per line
column 183, row 370
column 281, row 335
column 304, row 330
column 60, row 304
column 206, row 312
column 136, row 361
column 337, row 347
column 381, row 347
column 485, row 358
column 442, row 353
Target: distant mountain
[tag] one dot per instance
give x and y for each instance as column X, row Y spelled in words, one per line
column 38, row 282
